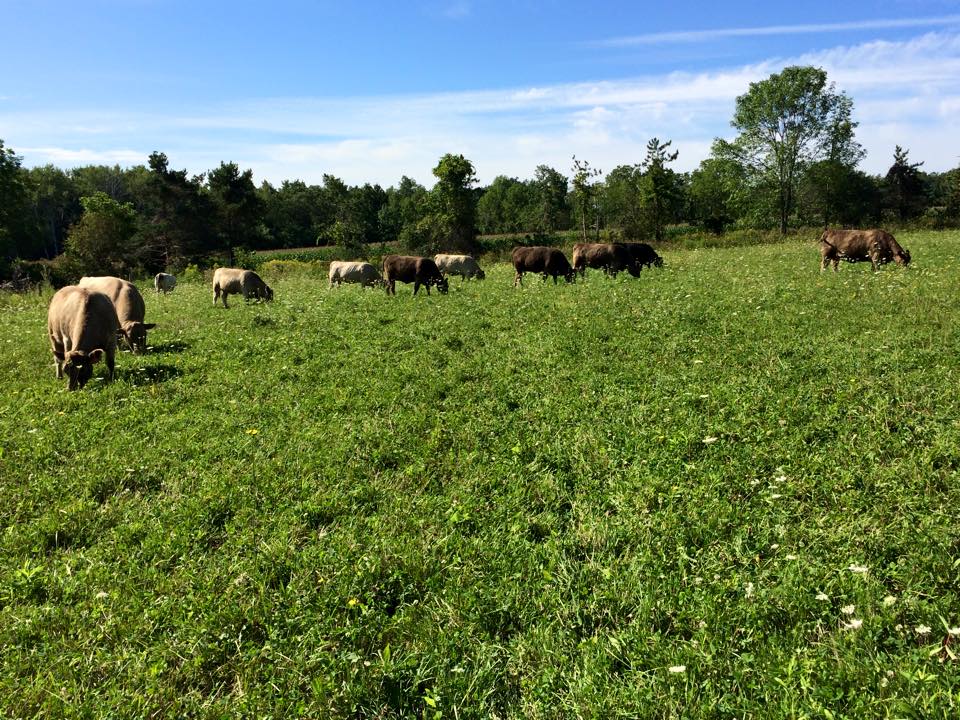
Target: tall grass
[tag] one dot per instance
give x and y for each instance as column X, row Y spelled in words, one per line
column 727, row 488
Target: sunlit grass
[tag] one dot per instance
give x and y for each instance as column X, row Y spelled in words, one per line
column 653, row 497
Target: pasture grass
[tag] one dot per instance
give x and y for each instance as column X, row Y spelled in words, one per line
column 725, row 489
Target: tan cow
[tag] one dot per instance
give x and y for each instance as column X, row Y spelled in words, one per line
column 228, row 281
column 130, row 308
column 83, row 326
column 877, row 246
column 164, row 282
column 353, row 272
column 465, row 266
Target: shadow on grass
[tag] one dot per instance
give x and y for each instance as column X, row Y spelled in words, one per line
column 171, row 347
column 149, row 375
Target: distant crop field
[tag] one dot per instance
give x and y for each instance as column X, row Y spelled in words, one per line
column 728, row 488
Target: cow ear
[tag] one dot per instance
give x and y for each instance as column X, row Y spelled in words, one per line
column 149, row 326
column 95, row 355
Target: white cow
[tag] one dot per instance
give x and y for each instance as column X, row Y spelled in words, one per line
column 353, row 272
column 463, row 265
column 164, row 282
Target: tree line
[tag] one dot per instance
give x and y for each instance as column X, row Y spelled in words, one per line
column 793, row 163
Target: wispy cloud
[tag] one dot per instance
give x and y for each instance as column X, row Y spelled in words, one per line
column 692, row 36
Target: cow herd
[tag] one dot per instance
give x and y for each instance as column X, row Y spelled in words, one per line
column 85, row 321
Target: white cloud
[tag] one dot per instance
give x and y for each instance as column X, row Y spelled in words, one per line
column 686, row 36
column 905, row 93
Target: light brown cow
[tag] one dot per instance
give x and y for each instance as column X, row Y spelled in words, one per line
column 465, row 266
column 353, row 272
column 83, row 326
column 164, row 282
column 130, row 308
column 235, row 281
column 877, row 246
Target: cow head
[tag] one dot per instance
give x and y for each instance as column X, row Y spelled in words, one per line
column 135, row 334
column 902, row 257
column 443, row 285
column 570, row 276
column 79, row 366
column 480, row 275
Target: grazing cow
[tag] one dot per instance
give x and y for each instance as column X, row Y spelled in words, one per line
column 353, row 272
column 643, row 254
column 228, row 281
column 877, row 246
column 463, row 265
column 539, row 259
column 611, row 257
column 164, row 282
column 83, row 326
column 129, row 305
column 410, row 269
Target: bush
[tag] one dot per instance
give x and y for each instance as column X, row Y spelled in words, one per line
column 280, row 269
column 191, row 273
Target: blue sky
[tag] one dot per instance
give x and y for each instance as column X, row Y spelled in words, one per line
column 372, row 91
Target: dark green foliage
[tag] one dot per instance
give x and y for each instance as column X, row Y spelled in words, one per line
column 103, row 241
column 789, row 120
column 904, row 189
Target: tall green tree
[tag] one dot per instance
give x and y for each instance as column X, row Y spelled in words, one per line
column 179, row 218
column 103, row 241
column 585, row 195
column 453, row 204
column 904, row 186
column 14, row 203
column 238, row 207
column 405, row 207
column 715, row 194
column 660, row 187
column 55, row 201
column 553, row 212
column 786, row 122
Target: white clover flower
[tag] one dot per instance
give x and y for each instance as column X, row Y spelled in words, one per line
column 848, row 609
column 677, row 668
column 791, row 557
column 709, row 440
column 889, row 601
column 748, row 589
column 775, row 546
column 953, row 631
column 776, row 496
column 854, row 624
column 822, row 596
column 923, row 629
column 861, row 569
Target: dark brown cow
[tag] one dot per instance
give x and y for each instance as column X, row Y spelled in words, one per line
column 411, row 269
column 610, row 257
column 643, row 254
column 877, row 246
column 539, row 259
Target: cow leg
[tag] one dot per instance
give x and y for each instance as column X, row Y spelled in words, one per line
column 416, row 286
column 518, row 279
column 216, row 294
column 823, row 263
column 110, row 363
column 427, row 286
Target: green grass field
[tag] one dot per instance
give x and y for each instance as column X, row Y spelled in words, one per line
column 726, row 489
